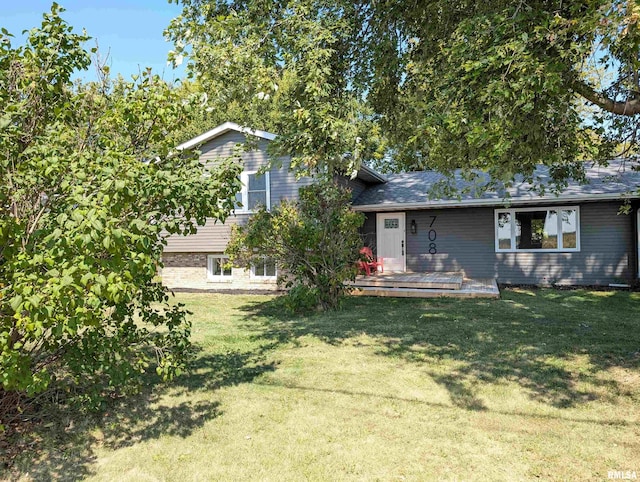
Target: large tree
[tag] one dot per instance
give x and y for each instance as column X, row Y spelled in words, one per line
column 89, row 189
column 289, row 62
column 497, row 85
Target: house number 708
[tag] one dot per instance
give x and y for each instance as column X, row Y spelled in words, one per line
column 432, row 236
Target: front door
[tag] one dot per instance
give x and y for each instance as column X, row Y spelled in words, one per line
column 391, row 241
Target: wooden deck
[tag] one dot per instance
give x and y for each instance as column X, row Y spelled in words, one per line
column 425, row 285
column 444, row 281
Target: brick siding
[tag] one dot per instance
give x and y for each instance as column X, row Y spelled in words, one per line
column 189, row 270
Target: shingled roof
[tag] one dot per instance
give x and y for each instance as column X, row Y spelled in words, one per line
column 412, row 190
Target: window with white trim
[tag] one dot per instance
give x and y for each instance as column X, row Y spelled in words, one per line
column 255, row 192
column 219, row 268
column 553, row 229
column 265, row 269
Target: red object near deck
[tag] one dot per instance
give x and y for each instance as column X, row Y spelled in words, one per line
column 369, row 264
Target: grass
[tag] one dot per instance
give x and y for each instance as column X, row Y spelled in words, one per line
column 540, row 384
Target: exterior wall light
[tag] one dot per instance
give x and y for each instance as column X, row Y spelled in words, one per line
column 414, row 227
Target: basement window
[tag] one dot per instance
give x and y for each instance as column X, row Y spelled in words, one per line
column 219, row 268
column 265, row 269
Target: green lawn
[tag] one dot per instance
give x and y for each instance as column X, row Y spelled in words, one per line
column 540, row 384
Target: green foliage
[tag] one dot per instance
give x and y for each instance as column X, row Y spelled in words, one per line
column 315, row 242
column 82, row 219
column 499, row 86
column 491, row 86
column 209, row 113
column 281, row 66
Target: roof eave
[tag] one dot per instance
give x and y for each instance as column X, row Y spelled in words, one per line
column 372, row 173
column 222, row 129
column 454, row 203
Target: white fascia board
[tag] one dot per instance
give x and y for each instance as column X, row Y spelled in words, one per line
column 221, row 129
column 453, row 203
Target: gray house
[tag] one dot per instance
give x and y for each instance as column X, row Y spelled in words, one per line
column 577, row 237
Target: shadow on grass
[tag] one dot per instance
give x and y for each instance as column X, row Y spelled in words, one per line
column 554, row 344
column 440, row 405
column 62, row 447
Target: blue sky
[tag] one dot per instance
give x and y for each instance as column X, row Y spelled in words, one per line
column 129, row 31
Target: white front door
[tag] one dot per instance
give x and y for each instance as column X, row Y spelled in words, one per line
column 391, row 240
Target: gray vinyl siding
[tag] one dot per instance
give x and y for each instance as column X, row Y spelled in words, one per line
column 210, row 238
column 368, row 231
column 213, row 237
column 465, row 241
column 357, row 185
column 283, row 183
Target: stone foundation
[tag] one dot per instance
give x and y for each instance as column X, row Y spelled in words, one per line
column 189, row 270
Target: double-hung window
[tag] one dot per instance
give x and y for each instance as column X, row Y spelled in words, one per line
column 553, row 229
column 255, row 192
column 218, row 268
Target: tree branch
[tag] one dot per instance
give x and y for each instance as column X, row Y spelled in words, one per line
column 629, row 107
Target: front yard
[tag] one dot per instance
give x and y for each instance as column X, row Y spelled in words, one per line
column 539, row 384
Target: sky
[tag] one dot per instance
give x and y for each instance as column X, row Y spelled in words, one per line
column 130, row 32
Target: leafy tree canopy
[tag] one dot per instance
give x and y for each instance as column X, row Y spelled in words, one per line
column 82, row 219
column 209, row 113
column 499, row 85
column 280, row 67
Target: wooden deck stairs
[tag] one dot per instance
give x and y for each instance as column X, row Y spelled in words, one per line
column 425, row 285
